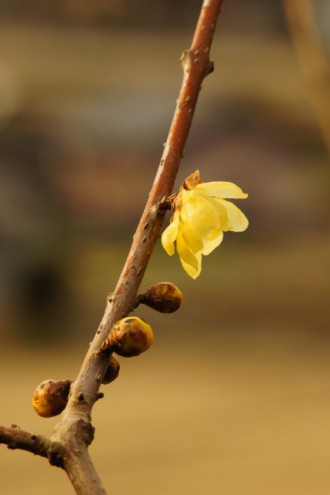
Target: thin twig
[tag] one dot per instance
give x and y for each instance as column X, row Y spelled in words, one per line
column 15, row 438
column 74, row 433
column 312, row 59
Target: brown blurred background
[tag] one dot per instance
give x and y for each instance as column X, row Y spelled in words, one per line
column 233, row 397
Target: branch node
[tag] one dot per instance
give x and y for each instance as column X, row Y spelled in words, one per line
column 86, row 431
column 106, row 347
column 210, row 67
column 56, row 455
column 110, row 297
column 167, row 201
column 184, row 60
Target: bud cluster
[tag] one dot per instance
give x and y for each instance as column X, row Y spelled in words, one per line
column 129, row 337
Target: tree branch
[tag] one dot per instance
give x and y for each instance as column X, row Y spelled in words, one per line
column 74, row 433
column 15, row 438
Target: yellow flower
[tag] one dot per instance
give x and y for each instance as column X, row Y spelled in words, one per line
column 201, row 215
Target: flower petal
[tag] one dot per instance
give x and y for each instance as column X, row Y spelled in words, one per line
column 220, row 208
column 199, row 216
column 210, row 244
column 237, row 221
column 193, row 272
column 170, row 233
column 221, row 190
column 191, row 262
column 185, row 252
column 194, row 242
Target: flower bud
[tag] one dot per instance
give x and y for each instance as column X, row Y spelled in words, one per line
column 112, row 370
column 50, row 397
column 164, row 297
column 130, row 336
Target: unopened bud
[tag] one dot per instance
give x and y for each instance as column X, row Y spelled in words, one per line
column 130, row 336
column 164, row 297
column 112, row 370
column 50, row 397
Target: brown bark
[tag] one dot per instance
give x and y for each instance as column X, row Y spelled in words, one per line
column 74, row 432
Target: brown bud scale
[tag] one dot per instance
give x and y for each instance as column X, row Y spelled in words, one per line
column 164, row 297
column 112, row 371
column 50, row 397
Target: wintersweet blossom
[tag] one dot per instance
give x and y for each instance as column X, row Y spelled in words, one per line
column 201, row 216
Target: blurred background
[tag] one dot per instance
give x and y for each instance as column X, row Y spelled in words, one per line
column 233, row 397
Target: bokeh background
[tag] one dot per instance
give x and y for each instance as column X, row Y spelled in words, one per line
column 233, row 397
